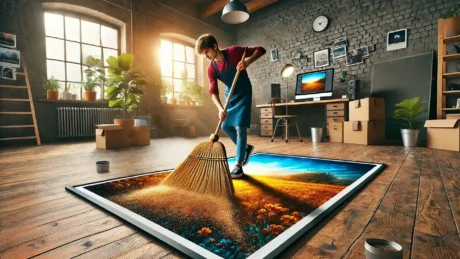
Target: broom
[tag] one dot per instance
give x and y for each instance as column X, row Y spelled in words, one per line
column 206, row 169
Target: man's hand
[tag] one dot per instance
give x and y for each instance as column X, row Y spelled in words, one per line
column 222, row 114
column 242, row 65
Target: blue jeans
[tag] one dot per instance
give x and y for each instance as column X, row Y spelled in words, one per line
column 239, row 136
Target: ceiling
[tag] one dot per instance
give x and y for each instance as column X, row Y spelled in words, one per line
column 207, row 8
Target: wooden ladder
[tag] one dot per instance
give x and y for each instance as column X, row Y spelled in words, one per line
column 32, row 108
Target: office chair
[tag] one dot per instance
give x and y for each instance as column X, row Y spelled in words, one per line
column 286, row 121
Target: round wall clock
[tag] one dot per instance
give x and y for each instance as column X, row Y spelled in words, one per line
column 320, row 23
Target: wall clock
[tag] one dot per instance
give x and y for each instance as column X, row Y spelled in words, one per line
column 320, row 23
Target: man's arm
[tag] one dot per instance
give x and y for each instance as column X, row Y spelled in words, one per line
column 252, row 54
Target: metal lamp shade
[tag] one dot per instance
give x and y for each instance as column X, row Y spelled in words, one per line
column 287, row 70
column 235, row 12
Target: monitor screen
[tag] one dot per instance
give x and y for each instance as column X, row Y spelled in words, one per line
column 310, row 84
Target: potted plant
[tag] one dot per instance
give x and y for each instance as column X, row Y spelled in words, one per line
column 410, row 110
column 165, row 88
column 124, row 88
column 95, row 77
column 193, row 92
column 67, row 95
column 52, row 87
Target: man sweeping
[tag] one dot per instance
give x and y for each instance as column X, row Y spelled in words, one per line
column 236, row 119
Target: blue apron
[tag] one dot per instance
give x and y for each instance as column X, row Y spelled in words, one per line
column 239, row 108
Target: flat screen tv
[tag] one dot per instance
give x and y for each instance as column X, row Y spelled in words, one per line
column 314, row 85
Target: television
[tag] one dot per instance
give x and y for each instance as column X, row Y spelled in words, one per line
column 314, row 85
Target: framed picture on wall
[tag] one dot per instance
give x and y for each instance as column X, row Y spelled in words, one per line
column 397, row 39
column 339, row 52
column 274, row 55
column 7, row 40
column 321, row 58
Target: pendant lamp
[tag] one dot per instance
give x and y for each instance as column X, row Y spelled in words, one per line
column 235, row 12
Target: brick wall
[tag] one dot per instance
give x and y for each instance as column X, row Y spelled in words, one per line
column 287, row 26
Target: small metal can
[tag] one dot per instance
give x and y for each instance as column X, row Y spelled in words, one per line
column 102, row 166
column 382, row 249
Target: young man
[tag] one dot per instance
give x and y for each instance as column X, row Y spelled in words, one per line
column 224, row 65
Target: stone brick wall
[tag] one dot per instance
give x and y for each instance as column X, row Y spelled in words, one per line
column 287, row 26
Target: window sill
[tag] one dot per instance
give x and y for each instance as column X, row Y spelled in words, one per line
column 72, row 101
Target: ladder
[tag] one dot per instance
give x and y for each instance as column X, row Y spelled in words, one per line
column 31, row 112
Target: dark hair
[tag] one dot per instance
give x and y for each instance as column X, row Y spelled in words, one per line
column 203, row 42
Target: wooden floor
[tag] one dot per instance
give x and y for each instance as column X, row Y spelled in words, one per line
column 415, row 201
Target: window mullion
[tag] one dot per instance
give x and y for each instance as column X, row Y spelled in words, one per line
column 65, row 55
column 81, row 60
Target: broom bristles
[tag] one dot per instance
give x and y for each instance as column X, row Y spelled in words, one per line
column 205, row 171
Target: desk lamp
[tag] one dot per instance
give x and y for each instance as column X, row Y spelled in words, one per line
column 287, row 71
column 235, row 12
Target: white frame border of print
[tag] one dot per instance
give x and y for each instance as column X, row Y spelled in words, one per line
column 320, row 51
column 274, row 55
column 13, row 71
column 399, row 45
column 7, row 46
column 9, row 64
column 339, row 57
column 270, row 250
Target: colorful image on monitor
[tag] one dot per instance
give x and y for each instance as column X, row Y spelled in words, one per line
column 314, row 82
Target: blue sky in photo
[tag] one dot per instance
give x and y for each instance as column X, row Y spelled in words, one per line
column 272, row 164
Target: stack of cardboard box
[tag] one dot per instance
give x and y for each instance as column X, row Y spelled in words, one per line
column 366, row 123
column 444, row 134
column 112, row 136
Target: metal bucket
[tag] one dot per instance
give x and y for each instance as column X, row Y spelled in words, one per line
column 142, row 121
column 316, row 134
column 382, row 249
column 410, row 137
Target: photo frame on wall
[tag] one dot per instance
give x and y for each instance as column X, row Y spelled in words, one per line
column 354, row 57
column 321, row 58
column 7, row 40
column 274, row 55
column 9, row 73
column 339, row 52
column 10, row 58
column 365, row 51
column 397, row 39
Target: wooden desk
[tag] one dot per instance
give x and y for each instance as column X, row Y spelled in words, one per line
column 336, row 110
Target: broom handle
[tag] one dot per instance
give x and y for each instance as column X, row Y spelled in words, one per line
column 230, row 93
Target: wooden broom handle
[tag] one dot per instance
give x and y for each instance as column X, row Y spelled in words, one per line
column 231, row 92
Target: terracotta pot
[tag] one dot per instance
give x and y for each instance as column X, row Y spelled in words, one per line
column 126, row 124
column 52, row 95
column 89, row 95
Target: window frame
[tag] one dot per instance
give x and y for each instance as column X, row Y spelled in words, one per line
column 81, row 17
column 185, row 44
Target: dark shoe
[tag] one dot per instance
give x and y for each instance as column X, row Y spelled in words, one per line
column 237, row 172
column 249, row 150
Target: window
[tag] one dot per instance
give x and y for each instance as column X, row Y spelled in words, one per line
column 177, row 64
column 70, row 39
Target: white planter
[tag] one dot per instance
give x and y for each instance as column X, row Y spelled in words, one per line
column 66, row 96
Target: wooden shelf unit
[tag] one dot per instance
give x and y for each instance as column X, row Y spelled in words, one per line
column 448, row 32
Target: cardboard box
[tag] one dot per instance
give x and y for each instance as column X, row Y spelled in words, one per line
column 367, row 109
column 335, row 132
column 364, row 132
column 111, row 136
column 443, row 134
column 140, row 136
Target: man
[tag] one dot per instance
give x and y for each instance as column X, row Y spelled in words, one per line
column 224, row 65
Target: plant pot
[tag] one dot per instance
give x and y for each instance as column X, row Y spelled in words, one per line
column 164, row 99
column 410, row 137
column 89, row 95
column 52, row 95
column 66, row 96
column 126, row 124
column 173, row 100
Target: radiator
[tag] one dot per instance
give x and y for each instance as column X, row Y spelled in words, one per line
column 79, row 121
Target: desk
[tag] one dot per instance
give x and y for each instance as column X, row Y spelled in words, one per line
column 336, row 110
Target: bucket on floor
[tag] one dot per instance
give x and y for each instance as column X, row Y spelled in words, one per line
column 102, row 166
column 382, row 249
column 316, row 134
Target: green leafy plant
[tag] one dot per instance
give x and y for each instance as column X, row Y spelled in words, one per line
column 95, row 74
column 165, row 87
column 409, row 111
column 124, row 85
column 51, row 84
column 192, row 91
column 67, row 87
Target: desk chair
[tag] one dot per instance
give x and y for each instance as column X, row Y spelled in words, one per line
column 286, row 121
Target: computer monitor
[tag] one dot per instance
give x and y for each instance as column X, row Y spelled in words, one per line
column 314, row 85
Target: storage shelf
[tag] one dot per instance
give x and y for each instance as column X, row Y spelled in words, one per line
column 13, row 100
column 451, row 75
column 12, row 86
column 451, row 57
column 72, row 101
column 16, row 113
column 451, row 109
column 451, row 39
column 452, row 92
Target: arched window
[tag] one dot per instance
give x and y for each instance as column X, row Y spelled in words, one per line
column 70, row 39
column 177, row 64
